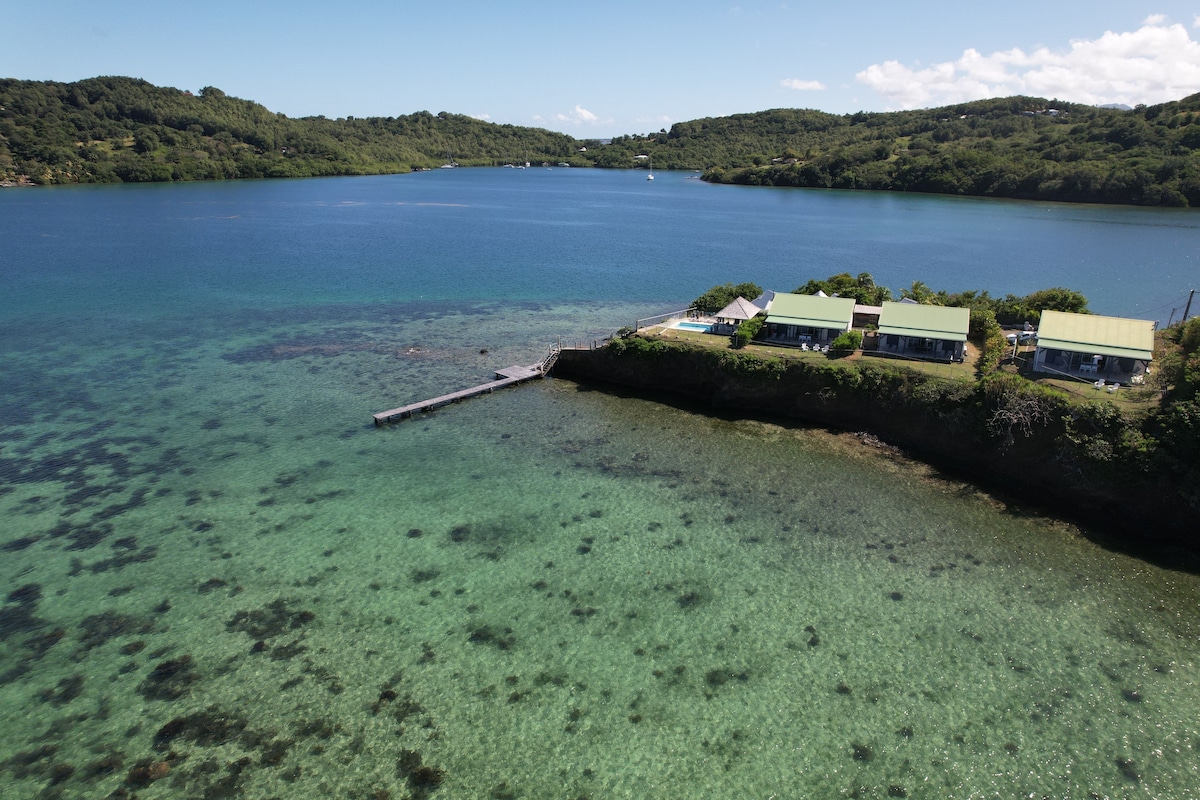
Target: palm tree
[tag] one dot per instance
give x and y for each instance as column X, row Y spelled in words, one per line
column 919, row 292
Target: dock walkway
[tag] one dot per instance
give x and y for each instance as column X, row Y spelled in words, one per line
column 504, row 377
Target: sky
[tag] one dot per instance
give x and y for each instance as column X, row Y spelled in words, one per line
column 607, row 69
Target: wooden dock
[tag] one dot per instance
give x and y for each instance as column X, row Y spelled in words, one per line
column 504, row 377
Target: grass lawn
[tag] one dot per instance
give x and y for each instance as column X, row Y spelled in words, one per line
column 941, row 369
column 1131, row 400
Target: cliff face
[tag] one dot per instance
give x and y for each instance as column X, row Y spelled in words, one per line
column 960, row 426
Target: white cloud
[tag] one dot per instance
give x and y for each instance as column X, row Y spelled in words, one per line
column 803, row 86
column 484, row 117
column 1156, row 63
column 580, row 116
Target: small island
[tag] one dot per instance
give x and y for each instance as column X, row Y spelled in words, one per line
column 1104, row 430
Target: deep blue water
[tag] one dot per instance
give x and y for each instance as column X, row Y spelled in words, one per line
column 557, row 235
column 220, row 579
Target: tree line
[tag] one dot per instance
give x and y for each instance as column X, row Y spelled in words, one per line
column 111, row 129
column 1016, row 147
column 1010, row 309
column 114, row 129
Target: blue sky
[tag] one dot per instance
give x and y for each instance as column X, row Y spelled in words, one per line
column 605, row 69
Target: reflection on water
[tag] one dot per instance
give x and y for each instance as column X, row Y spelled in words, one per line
column 222, row 581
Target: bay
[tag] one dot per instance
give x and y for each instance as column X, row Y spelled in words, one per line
column 222, row 580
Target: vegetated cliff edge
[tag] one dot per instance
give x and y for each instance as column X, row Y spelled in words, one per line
column 1079, row 461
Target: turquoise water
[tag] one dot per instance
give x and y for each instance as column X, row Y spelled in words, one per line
column 223, row 581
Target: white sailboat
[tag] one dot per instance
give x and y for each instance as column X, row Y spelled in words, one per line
column 650, row 174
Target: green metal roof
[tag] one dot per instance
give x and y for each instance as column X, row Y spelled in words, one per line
column 812, row 311
column 1093, row 334
column 925, row 322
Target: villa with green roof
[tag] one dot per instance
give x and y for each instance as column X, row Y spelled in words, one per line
column 1091, row 346
column 921, row 331
column 807, row 318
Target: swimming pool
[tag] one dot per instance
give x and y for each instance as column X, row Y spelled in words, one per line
column 702, row 327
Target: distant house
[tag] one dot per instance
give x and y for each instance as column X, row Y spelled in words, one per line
column 921, row 331
column 1092, row 346
column 807, row 318
column 734, row 314
column 764, row 300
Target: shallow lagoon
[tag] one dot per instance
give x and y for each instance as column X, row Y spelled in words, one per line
column 223, row 581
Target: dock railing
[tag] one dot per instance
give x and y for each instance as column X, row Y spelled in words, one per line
column 587, row 344
column 547, row 363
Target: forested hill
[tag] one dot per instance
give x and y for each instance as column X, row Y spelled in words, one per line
column 125, row 129
column 1019, row 147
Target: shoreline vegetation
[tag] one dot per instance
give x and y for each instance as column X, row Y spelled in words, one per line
column 1126, row 466
column 118, row 129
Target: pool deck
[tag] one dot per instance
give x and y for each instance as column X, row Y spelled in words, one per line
column 696, row 325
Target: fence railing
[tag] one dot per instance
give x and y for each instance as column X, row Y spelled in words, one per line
column 657, row 319
column 586, row 344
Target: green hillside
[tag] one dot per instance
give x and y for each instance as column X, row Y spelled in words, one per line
column 1021, row 147
column 125, row 129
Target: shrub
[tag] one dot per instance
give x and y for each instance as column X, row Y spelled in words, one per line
column 1189, row 335
column 746, row 332
column 751, row 365
column 845, row 344
column 1178, row 429
column 1014, row 405
column 982, row 321
column 987, row 333
column 639, row 346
